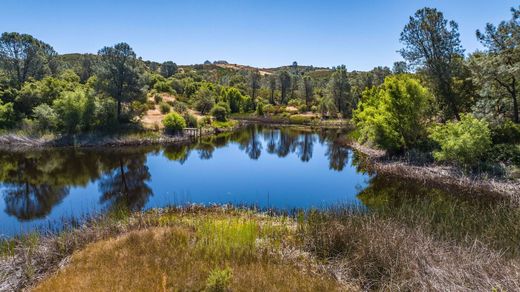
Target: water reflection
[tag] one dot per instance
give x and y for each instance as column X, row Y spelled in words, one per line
column 263, row 166
column 34, row 182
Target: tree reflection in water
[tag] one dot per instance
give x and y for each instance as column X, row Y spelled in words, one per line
column 125, row 186
column 34, row 182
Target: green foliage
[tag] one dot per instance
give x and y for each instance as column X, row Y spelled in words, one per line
column 22, row 57
column 340, row 91
column 393, row 116
column 235, row 99
column 205, row 99
column 120, row 75
column 174, row 122
column 504, row 153
column 179, row 106
column 220, row 112
column 219, row 280
column 34, row 93
column 45, row 117
column 260, row 109
column 7, row 115
column 164, row 107
column 70, row 108
column 163, row 86
column 432, row 44
column 464, row 142
column 191, row 120
column 248, row 105
column 168, row 68
column 507, row 132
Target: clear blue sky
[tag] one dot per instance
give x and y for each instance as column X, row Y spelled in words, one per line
column 359, row 34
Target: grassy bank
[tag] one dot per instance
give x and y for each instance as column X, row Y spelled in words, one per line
column 440, row 175
column 127, row 136
column 217, row 249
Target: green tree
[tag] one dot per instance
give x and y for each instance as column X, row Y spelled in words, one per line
column 285, row 84
column 7, row 115
column 168, row 69
column 308, row 86
column 204, row 99
column 234, row 98
column 119, row 73
column 464, row 142
column 498, row 70
column 254, row 82
column 22, row 57
column 70, row 108
column 393, row 116
column 340, row 91
column 272, row 88
column 432, row 45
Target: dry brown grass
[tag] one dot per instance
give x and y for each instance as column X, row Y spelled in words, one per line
column 382, row 255
column 172, row 259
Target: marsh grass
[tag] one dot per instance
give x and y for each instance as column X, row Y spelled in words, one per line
column 189, row 251
column 379, row 253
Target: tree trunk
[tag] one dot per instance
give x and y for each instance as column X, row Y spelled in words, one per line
column 515, row 106
column 119, row 110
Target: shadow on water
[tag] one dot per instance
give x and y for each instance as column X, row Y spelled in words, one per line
column 33, row 183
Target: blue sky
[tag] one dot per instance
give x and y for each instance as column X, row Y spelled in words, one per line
column 359, row 34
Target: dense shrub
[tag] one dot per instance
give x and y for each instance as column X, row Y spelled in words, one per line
column 220, row 112
column 392, row 115
column 464, row 142
column 45, row 117
column 7, row 115
column 504, row 153
column 260, row 109
column 507, row 132
column 164, row 107
column 69, row 107
column 163, row 86
column 205, row 100
column 173, row 122
column 234, row 98
column 179, row 106
column 191, row 120
column 248, row 105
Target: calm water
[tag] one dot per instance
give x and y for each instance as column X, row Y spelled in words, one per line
column 265, row 167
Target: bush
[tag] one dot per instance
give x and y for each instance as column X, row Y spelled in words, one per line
column 163, row 86
column 70, row 107
column 506, row 133
column 7, row 115
column 191, row 120
column 505, row 153
column 157, row 98
column 392, row 116
column 234, row 98
column 45, row 117
column 464, row 142
column 179, row 106
column 295, row 103
column 173, row 122
column 164, row 107
column 219, row 280
column 220, row 113
column 260, row 109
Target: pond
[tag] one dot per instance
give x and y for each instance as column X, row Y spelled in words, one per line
column 266, row 167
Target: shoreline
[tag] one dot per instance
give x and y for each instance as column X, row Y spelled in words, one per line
column 440, row 175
